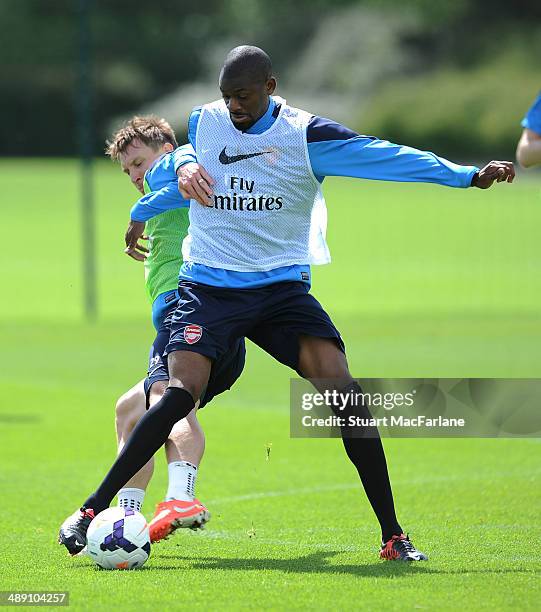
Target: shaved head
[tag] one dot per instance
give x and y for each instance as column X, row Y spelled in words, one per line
column 250, row 63
column 246, row 82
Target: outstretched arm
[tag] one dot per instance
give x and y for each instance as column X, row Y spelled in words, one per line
column 156, row 202
column 335, row 150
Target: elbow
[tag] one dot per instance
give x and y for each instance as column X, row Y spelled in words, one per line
column 524, row 162
column 529, row 152
column 522, row 158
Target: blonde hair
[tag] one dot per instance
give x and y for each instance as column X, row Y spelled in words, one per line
column 151, row 130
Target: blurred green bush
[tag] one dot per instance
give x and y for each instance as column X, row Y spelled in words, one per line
column 474, row 112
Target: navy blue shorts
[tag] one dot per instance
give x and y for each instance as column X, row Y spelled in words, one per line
column 208, row 320
column 223, row 374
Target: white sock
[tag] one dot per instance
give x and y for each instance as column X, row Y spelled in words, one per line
column 131, row 498
column 182, row 477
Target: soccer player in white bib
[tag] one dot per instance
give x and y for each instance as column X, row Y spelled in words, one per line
column 257, row 170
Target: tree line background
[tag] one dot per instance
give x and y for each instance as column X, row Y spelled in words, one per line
column 455, row 76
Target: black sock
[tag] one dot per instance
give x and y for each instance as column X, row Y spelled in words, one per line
column 148, row 436
column 367, row 455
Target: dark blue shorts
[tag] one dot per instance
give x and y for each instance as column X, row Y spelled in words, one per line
column 208, row 320
column 223, row 374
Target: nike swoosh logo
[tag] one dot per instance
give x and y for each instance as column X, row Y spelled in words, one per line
column 159, row 516
column 181, row 510
column 225, row 159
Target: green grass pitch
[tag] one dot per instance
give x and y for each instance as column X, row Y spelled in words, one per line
column 425, row 281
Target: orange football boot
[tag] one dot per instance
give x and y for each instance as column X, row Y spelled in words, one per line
column 170, row 515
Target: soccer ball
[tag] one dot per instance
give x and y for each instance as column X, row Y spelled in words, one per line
column 118, row 538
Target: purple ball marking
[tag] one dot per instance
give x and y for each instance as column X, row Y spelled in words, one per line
column 126, row 545
column 116, row 540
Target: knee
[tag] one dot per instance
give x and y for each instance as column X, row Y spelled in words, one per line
column 191, row 386
column 127, row 412
column 189, row 371
column 321, row 358
column 156, row 391
column 354, row 402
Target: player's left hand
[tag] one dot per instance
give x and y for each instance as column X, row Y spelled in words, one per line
column 498, row 171
column 134, row 233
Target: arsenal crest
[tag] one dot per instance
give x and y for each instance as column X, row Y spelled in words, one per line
column 192, row 333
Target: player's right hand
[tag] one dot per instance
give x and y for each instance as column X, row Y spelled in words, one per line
column 194, row 183
column 499, row 171
column 133, row 234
